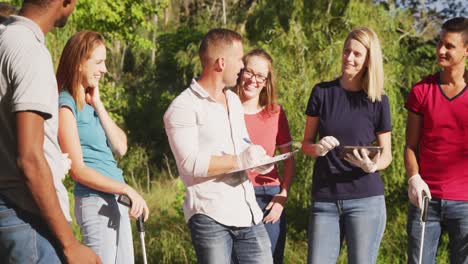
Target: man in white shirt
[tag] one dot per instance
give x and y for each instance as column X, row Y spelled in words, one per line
column 34, row 213
column 206, row 131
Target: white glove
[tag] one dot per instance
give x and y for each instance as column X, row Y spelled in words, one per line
column 363, row 161
column 326, row 144
column 265, row 168
column 250, row 156
column 416, row 186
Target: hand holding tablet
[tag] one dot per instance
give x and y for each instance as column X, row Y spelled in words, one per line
column 372, row 150
column 364, row 157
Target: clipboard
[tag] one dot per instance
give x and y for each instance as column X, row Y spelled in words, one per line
column 269, row 161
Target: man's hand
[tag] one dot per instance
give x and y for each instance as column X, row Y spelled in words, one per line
column 416, row 186
column 265, row 168
column 326, row 144
column 77, row 253
column 250, row 157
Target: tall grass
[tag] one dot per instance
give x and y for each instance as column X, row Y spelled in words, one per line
column 168, row 237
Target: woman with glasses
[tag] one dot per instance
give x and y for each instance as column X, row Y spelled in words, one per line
column 268, row 127
column 91, row 138
column 347, row 193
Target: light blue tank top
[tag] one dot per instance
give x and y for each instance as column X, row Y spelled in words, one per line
column 97, row 153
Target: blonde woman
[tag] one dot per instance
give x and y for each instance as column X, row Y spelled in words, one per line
column 347, row 193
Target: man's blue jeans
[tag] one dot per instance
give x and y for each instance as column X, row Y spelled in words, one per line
column 276, row 231
column 442, row 215
column 214, row 243
column 361, row 222
column 24, row 238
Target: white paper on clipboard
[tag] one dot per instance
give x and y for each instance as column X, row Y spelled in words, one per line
column 269, row 161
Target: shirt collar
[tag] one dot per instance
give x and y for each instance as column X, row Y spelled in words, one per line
column 196, row 87
column 201, row 92
column 29, row 24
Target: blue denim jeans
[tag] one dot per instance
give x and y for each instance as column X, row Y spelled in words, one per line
column 442, row 215
column 24, row 238
column 361, row 222
column 105, row 226
column 276, row 231
column 215, row 243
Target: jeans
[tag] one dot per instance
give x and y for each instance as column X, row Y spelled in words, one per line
column 442, row 214
column 105, row 226
column 25, row 239
column 361, row 222
column 276, row 231
column 214, row 243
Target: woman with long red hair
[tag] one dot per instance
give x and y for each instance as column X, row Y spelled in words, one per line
column 91, row 138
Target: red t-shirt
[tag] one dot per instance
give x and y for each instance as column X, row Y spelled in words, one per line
column 443, row 147
column 269, row 130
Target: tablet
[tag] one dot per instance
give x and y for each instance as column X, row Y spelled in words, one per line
column 269, row 161
column 373, row 150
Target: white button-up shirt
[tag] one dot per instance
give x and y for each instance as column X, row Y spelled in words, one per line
column 198, row 127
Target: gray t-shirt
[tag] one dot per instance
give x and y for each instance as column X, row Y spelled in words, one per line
column 27, row 83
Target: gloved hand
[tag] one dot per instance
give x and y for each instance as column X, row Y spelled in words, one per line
column 416, row 186
column 265, row 168
column 326, row 144
column 252, row 155
column 362, row 160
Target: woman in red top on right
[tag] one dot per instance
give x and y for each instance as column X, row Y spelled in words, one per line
column 268, row 127
column 436, row 152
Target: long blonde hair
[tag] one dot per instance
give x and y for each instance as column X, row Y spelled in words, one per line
column 373, row 78
column 268, row 93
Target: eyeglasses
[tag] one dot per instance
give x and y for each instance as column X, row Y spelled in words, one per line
column 259, row 78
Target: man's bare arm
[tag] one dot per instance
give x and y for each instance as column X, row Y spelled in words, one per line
column 39, row 180
column 413, row 134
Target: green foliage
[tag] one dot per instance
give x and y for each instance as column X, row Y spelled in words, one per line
column 119, row 20
column 150, row 95
column 14, row 2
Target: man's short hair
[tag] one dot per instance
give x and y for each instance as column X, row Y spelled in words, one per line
column 214, row 39
column 457, row 25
